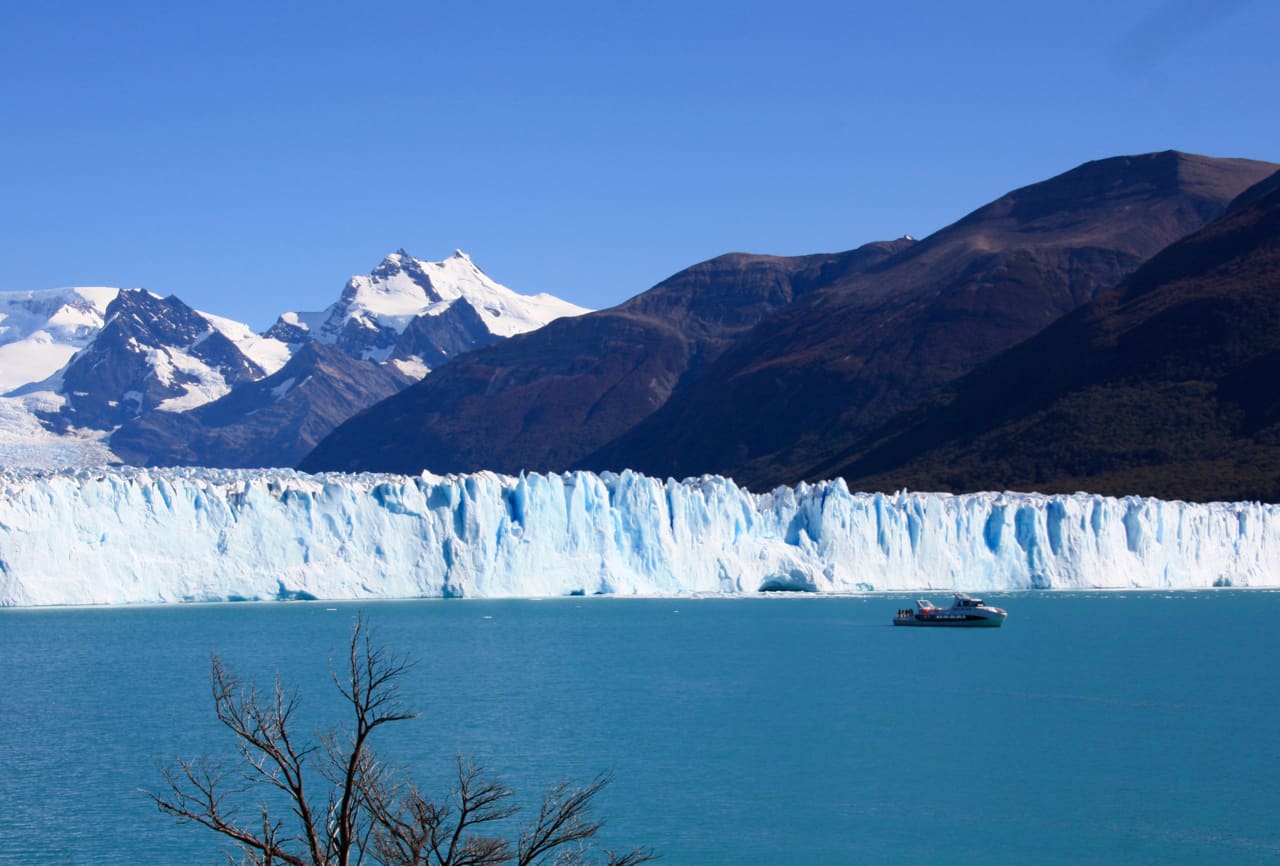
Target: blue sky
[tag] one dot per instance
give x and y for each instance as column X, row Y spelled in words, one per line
column 249, row 157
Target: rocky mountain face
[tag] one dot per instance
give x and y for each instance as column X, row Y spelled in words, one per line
column 428, row 342
column 1164, row 386
column 829, row 368
column 152, row 354
column 164, row 384
column 419, row 314
column 547, row 399
column 273, row 421
column 763, row 368
column 1111, row 328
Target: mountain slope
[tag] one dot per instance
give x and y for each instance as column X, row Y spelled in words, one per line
column 151, row 354
column 273, row 421
column 40, row 330
column 1164, row 387
column 82, row 366
column 387, row 330
column 418, row 313
column 76, row 362
column 816, row 377
column 546, row 399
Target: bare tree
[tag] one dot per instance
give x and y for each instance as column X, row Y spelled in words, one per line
column 344, row 806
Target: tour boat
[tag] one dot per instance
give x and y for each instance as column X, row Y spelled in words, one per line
column 965, row 611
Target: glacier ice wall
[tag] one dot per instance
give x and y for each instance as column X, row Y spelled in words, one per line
column 132, row 535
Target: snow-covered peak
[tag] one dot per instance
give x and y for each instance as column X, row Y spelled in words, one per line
column 41, row 329
column 504, row 311
column 77, row 363
column 402, row 288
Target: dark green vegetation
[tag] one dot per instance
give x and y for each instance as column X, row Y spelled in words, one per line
column 773, row 370
column 1167, row 386
column 338, row 803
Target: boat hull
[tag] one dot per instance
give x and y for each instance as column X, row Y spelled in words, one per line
column 950, row 622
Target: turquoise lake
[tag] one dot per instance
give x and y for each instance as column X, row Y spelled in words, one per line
column 1091, row 728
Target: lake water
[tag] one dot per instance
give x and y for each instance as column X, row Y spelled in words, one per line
column 1106, row 728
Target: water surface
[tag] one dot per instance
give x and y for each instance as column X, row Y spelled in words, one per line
column 1107, row 727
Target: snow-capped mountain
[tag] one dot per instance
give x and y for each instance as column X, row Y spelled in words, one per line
column 274, row 421
column 41, row 330
column 81, row 368
column 151, row 354
column 76, row 362
column 416, row 314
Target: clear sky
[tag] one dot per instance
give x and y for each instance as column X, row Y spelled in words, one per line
column 250, row 156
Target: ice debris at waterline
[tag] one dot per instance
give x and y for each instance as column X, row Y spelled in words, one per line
column 128, row 535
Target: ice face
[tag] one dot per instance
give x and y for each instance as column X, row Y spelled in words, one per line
column 119, row 536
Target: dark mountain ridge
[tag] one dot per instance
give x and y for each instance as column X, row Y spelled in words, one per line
column 762, row 367
column 1163, row 387
column 821, row 373
column 273, row 421
column 545, row 399
column 150, row 350
column 170, row 385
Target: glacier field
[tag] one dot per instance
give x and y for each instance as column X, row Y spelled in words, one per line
column 128, row 536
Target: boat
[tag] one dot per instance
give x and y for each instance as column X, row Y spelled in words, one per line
column 965, row 612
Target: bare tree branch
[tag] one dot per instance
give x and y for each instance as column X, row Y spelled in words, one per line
column 373, row 691
column 361, row 812
column 198, row 797
column 564, row 823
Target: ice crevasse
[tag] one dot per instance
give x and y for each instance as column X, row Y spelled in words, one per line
column 127, row 535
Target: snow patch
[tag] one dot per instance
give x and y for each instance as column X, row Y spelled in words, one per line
column 200, row 383
column 411, row 366
column 279, row 391
column 268, row 353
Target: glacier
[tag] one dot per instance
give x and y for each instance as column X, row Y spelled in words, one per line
column 130, row 535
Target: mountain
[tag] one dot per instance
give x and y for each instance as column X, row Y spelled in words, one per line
column 546, row 399
column 418, row 314
column 78, row 361
column 151, row 354
column 1163, row 387
column 387, row 330
column 825, row 371
column 272, row 421
column 41, row 330
column 762, row 367
column 161, row 383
